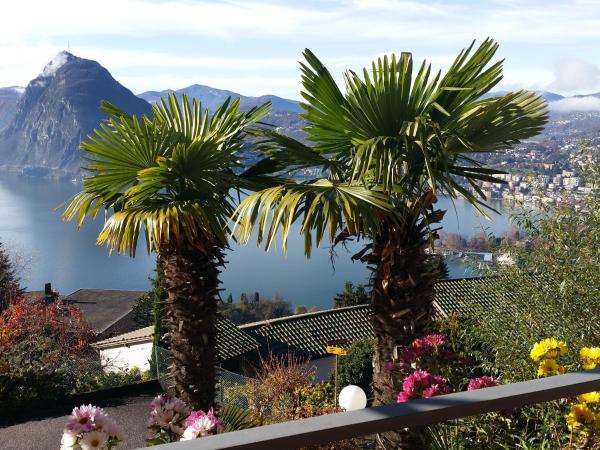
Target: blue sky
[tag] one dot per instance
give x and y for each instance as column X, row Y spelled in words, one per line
column 252, row 47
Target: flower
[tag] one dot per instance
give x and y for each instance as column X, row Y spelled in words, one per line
column 93, row 440
column 68, row 440
column 580, row 415
column 549, row 367
column 590, row 397
column 89, row 427
column 436, row 389
column 82, row 419
column 168, row 413
column 548, row 349
column 590, row 357
column 199, row 424
column 432, row 343
column 422, row 384
column 482, row 382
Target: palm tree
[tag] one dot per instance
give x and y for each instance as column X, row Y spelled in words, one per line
column 390, row 145
column 172, row 178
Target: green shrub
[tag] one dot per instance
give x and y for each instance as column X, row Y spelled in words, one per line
column 357, row 366
column 95, row 381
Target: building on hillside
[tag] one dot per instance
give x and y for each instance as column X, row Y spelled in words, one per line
column 107, row 311
column 308, row 335
column 134, row 349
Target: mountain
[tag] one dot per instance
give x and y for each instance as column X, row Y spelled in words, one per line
column 57, row 110
column 284, row 114
column 9, row 97
column 212, row 98
column 546, row 95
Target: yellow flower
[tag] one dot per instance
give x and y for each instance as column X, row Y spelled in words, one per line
column 548, row 349
column 548, row 367
column 580, row 415
column 590, row 356
column 590, row 397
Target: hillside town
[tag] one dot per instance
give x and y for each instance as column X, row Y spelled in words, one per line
column 550, row 172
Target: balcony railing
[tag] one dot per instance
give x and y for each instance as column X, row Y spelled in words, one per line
column 369, row 421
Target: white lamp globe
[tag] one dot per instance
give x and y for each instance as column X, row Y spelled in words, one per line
column 352, row 397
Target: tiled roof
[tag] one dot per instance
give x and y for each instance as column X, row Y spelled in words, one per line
column 308, row 334
column 456, row 295
column 102, row 308
column 231, row 342
column 470, row 294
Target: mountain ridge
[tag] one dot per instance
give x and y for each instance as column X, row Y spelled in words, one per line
column 42, row 125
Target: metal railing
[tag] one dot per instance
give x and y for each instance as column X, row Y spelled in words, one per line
column 369, row 421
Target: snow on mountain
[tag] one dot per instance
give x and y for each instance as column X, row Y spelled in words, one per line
column 56, row 63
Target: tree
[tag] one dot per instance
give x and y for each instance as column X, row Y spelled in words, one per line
column 300, row 309
column 159, row 297
column 391, row 144
column 552, row 290
column 261, row 309
column 44, row 348
column 479, row 242
column 351, row 296
column 143, row 310
column 437, row 264
column 357, row 366
column 455, row 241
column 10, row 289
column 171, row 177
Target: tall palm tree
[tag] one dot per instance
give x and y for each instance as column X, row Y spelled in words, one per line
column 389, row 145
column 171, row 178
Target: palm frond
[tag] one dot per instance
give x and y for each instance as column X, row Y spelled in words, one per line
column 169, row 175
column 323, row 208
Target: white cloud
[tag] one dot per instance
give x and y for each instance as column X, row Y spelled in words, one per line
column 575, row 74
column 277, row 31
column 576, row 104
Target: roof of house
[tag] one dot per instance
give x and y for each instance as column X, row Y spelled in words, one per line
column 308, row 334
column 102, row 308
column 456, row 295
column 231, row 342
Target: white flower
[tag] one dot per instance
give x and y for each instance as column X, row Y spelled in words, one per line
column 94, row 440
column 68, row 441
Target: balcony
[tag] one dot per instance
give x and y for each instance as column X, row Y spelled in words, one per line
column 370, row 421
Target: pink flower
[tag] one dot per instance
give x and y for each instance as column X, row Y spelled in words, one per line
column 482, row 382
column 168, row 413
column 90, row 424
column 436, row 389
column 422, row 384
column 432, row 343
column 435, row 340
column 402, row 397
column 82, row 419
column 199, row 424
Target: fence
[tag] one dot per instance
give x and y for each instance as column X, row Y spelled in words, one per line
column 231, row 387
column 333, row 427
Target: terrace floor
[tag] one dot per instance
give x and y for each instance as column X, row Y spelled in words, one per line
column 41, row 428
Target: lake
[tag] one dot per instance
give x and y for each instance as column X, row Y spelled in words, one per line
column 54, row 251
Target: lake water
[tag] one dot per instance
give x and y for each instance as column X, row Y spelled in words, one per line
column 54, row 251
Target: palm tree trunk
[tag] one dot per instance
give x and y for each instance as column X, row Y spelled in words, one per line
column 191, row 278
column 403, row 291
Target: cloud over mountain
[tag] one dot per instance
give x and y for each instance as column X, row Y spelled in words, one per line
column 575, row 74
column 575, row 104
